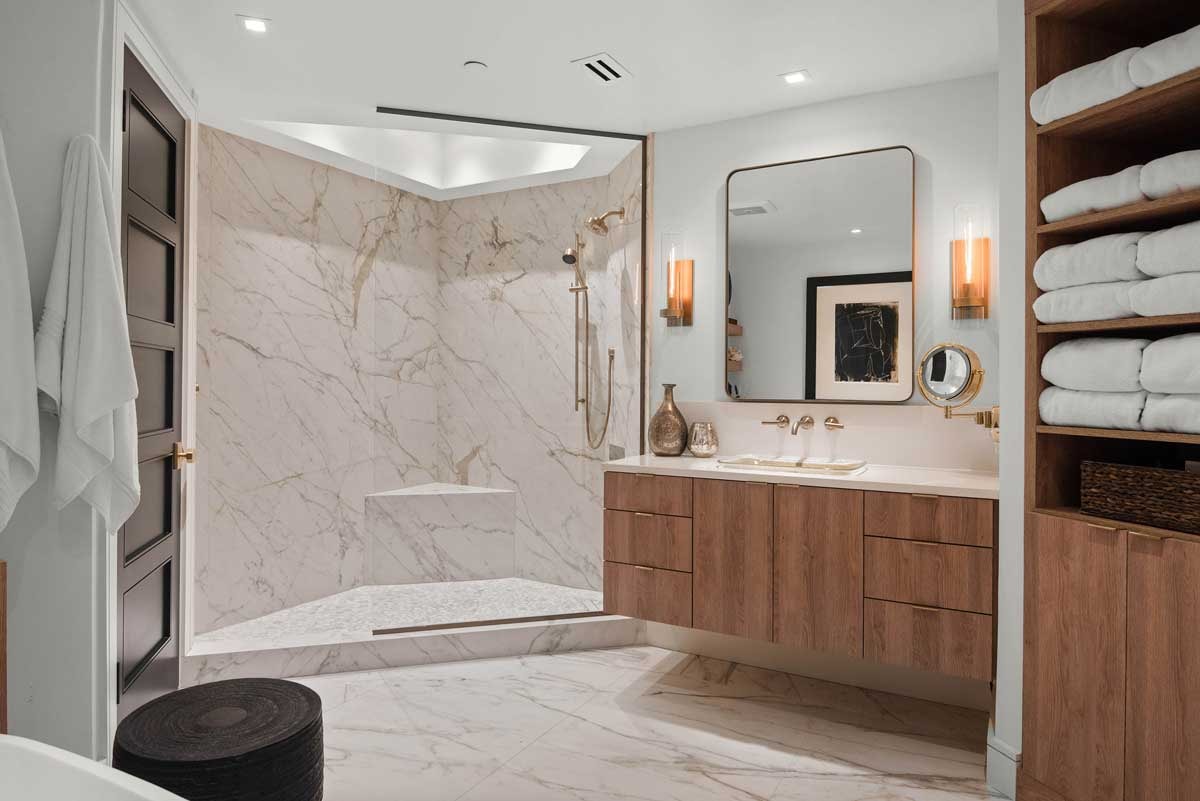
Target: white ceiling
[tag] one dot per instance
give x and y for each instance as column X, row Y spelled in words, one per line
column 692, row 61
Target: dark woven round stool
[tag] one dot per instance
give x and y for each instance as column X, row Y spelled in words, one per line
column 228, row 741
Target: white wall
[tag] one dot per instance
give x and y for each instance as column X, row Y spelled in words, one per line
column 951, row 127
column 53, row 56
column 1005, row 740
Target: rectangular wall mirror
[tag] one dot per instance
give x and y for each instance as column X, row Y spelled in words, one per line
column 819, row 279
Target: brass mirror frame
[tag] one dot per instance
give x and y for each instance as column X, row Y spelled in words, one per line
column 912, row 261
column 965, row 395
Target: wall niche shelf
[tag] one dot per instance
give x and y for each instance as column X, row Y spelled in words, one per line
column 733, row 330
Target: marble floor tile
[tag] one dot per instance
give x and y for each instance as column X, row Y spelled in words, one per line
column 638, row 723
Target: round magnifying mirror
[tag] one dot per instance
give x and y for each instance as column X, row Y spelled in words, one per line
column 950, row 375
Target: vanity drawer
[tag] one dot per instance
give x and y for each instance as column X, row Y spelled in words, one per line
column 928, row 573
column 962, row 521
column 643, row 492
column 938, row 640
column 640, row 538
column 647, row 593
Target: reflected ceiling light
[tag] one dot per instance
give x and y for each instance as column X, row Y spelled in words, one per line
column 796, row 76
column 253, row 24
column 856, row 231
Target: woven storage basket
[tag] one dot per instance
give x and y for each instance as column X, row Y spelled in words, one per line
column 1150, row 496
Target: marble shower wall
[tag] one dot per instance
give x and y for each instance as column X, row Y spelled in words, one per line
column 356, row 338
column 505, row 402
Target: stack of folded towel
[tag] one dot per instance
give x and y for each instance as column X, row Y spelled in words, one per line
column 1131, row 384
column 1088, row 281
column 1117, row 75
column 1120, row 275
column 1169, row 175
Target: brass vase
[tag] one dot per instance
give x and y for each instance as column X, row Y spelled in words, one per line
column 668, row 429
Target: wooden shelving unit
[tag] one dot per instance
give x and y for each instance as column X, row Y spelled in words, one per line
column 1108, row 603
column 732, row 366
column 732, row 330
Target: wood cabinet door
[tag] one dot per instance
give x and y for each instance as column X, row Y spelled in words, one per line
column 819, row 569
column 731, row 559
column 1073, row 741
column 1162, row 740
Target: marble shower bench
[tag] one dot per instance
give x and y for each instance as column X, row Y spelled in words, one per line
column 440, row 532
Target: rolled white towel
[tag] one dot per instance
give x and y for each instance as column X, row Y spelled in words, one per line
column 1172, row 365
column 1170, row 175
column 1166, row 58
column 1178, row 414
column 1094, row 261
column 1083, row 87
column 1170, row 251
column 1070, row 407
column 1092, row 302
column 1172, row 294
column 1096, row 365
column 1094, row 194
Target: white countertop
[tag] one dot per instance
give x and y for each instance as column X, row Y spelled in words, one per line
column 879, row 477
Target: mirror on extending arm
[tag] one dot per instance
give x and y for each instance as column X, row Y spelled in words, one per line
column 950, row 376
column 819, row 279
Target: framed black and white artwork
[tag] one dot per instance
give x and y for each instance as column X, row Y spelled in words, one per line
column 860, row 337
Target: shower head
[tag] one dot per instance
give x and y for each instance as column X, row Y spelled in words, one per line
column 570, row 256
column 599, row 225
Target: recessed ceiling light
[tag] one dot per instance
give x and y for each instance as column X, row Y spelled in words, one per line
column 856, row 230
column 253, row 24
column 796, row 76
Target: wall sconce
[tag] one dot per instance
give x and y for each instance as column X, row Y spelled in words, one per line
column 680, row 273
column 970, row 264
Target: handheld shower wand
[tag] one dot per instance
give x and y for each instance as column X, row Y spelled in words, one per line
column 572, row 257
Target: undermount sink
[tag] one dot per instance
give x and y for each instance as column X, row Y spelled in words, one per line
column 794, row 464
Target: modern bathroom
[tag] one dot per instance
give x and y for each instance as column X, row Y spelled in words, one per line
column 483, row 401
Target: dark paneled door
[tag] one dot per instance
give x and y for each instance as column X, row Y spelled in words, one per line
column 152, row 215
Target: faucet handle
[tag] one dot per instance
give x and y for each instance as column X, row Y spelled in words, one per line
column 833, row 424
column 779, row 422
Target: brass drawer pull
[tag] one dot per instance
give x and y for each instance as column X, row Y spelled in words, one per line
column 1145, row 536
column 642, row 514
column 644, row 475
column 1099, row 527
column 925, row 497
column 643, row 567
column 924, row 608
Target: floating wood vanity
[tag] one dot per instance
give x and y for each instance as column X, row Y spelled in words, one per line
column 856, row 566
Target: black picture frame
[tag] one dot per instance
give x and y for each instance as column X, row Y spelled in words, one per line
column 810, row 310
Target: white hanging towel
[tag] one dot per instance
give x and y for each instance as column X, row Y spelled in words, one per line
column 84, row 361
column 20, row 448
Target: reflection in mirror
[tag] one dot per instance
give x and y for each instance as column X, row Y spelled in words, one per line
column 820, row 279
column 945, row 372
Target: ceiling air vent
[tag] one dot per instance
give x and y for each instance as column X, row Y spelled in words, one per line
column 603, row 67
column 748, row 208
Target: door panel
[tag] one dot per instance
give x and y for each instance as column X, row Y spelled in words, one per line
column 819, row 569
column 731, row 542
column 1162, row 743
column 151, row 275
column 1074, row 690
column 152, row 206
column 155, row 401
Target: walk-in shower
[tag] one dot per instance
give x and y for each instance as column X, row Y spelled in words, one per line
column 574, row 257
column 383, row 388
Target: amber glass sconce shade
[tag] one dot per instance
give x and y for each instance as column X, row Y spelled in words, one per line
column 970, row 265
column 680, row 272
